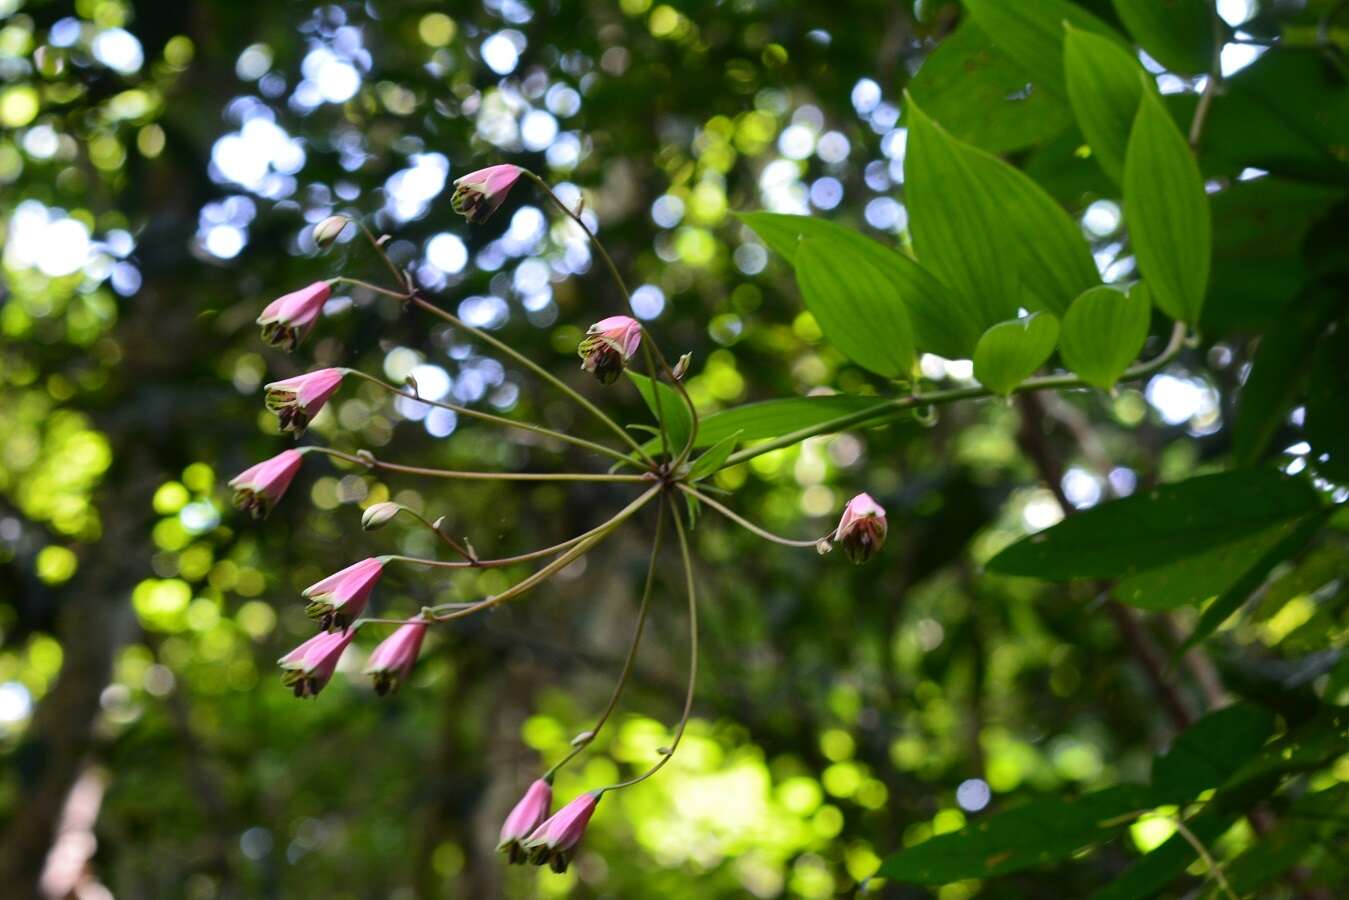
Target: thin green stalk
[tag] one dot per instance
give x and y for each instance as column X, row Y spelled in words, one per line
column 370, row 461
column 500, row 420
column 743, row 522
column 553, row 567
column 445, row 538
column 342, row 279
column 648, row 343
column 941, row 398
column 642, row 611
column 693, row 662
column 398, row 276
column 537, row 370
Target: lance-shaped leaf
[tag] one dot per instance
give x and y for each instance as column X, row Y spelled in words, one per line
column 855, row 305
column 1167, row 212
column 987, row 230
column 710, row 461
column 1103, row 332
column 775, row 418
column 1010, row 352
column 1104, row 86
column 942, row 322
column 1162, row 526
column 1031, row 32
column 672, row 408
column 1176, row 33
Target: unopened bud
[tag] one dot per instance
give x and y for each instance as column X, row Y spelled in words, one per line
column 584, row 737
column 327, row 231
column 681, row 367
column 412, row 385
column 366, row 457
column 438, row 523
column 379, row 515
column 862, row 529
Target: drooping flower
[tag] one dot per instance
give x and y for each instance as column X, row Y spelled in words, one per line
column 297, row 400
column 309, row 666
column 338, row 599
column 555, row 841
column 259, row 488
column 524, row 819
column 287, row 319
column 608, row 345
column 861, row 530
column 478, row 194
column 392, row 660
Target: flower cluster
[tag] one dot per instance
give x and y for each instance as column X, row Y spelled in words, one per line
column 531, row 832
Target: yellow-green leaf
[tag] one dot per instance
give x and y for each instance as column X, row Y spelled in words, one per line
column 1103, row 332
column 1010, row 352
column 1104, row 85
column 1031, row 33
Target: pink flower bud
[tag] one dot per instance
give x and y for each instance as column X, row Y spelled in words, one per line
column 861, row 531
column 297, row 400
column 608, row 346
column 527, row 816
column 478, row 194
column 338, row 599
column 309, row 666
column 393, row 658
column 288, row 318
column 259, row 488
column 554, row 842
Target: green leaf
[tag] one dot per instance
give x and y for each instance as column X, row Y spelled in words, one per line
column 711, row 461
column 774, row 418
column 942, row 323
column 1164, row 525
column 1150, row 874
column 1031, row 33
column 1309, row 746
column 1103, row 332
column 980, row 94
column 1104, row 85
column 1210, row 751
column 1176, row 33
column 1167, row 212
column 856, row 305
column 1251, row 578
column 1278, row 851
column 1205, row 574
column 1033, row 834
column 677, row 421
column 1327, row 424
column 1010, row 352
column 987, row 230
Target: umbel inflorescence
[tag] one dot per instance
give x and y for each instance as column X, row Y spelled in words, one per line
column 657, row 471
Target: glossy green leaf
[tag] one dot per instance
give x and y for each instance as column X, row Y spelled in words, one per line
column 774, row 418
column 1032, row 834
column 1167, row 212
column 856, row 305
column 942, row 323
column 1161, row 526
column 1031, row 33
column 1104, row 86
column 1207, row 753
column 1010, row 352
column 712, row 460
column 979, row 94
column 672, row 407
column 1103, row 332
column 1176, row 33
column 987, row 230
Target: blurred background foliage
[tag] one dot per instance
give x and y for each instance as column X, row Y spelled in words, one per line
column 162, row 165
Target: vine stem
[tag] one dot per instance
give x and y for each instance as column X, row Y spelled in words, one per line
column 743, row 522
column 1213, row 865
column 693, row 661
column 640, row 627
column 498, row 420
column 649, row 343
column 537, row 370
column 579, row 549
column 1215, row 77
column 941, row 398
column 445, row 538
column 371, row 462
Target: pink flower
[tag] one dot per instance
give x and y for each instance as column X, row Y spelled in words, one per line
column 478, row 194
column 527, row 816
column 340, row 597
column 554, row 842
column 393, row 658
column 297, row 400
column 861, row 531
column 309, row 666
column 608, row 346
column 288, row 318
column 259, row 488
